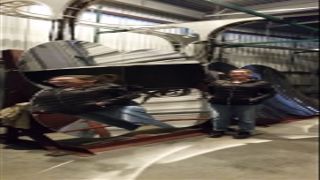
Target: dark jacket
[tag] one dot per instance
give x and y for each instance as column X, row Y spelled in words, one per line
column 248, row 93
column 75, row 101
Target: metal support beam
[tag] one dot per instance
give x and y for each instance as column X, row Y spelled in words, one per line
column 289, row 4
column 162, row 7
column 268, row 17
column 96, row 30
column 128, row 15
column 276, row 47
column 284, row 25
column 278, row 12
column 229, row 45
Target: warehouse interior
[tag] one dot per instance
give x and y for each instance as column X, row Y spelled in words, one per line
column 165, row 46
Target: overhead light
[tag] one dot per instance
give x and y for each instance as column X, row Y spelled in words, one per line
column 267, row 11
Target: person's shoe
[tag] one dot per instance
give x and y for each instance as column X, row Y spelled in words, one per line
column 242, row 135
column 216, row 134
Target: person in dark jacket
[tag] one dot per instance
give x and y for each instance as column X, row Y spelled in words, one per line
column 96, row 98
column 237, row 97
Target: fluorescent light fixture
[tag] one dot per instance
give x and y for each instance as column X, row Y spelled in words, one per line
column 267, row 11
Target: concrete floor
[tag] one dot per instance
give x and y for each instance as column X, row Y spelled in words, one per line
column 286, row 151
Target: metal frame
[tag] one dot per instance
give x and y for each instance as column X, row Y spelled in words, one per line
column 255, row 13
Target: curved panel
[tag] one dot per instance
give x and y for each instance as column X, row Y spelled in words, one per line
column 62, row 54
column 286, row 104
column 150, row 69
column 288, row 99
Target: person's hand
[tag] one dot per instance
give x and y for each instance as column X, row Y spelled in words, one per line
column 101, row 104
column 252, row 100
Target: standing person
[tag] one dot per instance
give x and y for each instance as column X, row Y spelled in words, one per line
column 237, row 96
column 96, row 98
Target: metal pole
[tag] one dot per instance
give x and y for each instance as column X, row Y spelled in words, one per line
column 266, row 42
column 96, row 30
column 276, row 47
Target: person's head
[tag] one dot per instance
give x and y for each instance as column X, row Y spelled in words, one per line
column 240, row 74
column 78, row 81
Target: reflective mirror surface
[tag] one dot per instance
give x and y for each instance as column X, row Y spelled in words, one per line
column 151, row 69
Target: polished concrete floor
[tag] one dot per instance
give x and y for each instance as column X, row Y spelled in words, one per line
column 287, row 151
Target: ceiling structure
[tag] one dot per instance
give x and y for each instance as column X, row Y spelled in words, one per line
column 208, row 7
column 190, row 9
column 304, row 12
column 301, row 12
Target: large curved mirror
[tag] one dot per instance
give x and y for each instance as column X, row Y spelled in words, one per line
column 157, row 73
column 290, row 49
column 149, row 68
column 277, row 53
